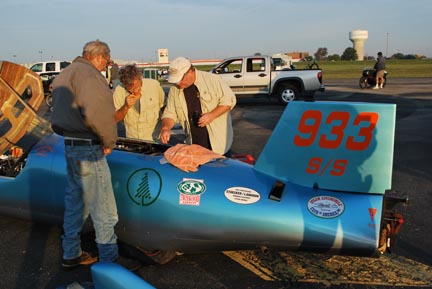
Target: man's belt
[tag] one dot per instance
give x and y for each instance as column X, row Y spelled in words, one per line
column 81, row 142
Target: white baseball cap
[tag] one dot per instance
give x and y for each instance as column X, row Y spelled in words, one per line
column 177, row 69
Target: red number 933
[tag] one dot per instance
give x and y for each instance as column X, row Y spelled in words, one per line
column 363, row 124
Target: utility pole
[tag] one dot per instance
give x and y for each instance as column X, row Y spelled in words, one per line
column 387, row 33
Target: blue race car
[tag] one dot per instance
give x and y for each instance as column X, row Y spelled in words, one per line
column 319, row 185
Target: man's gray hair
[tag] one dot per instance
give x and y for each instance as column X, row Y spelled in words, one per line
column 128, row 74
column 94, row 48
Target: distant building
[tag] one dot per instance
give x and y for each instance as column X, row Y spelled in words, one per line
column 297, row 55
column 196, row 62
column 281, row 61
column 163, row 55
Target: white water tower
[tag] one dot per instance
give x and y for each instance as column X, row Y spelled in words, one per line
column 358, row 38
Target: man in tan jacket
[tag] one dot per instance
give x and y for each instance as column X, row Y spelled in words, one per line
column 201, row 102
column 138, row 103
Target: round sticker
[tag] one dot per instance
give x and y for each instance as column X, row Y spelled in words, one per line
column 326, row 207
column 144, row 186
column 241, row 195
column 191, row 187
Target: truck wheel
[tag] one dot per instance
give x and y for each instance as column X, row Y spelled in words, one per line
column 363, row 82
column 48, row 99
column 288, row 93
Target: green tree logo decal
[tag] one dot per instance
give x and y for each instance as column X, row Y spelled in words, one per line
column 144, row 186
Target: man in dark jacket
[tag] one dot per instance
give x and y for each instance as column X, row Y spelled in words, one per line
column 84, row 114
column 380, row 66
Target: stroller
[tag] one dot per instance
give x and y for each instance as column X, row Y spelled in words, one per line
column 368, row 78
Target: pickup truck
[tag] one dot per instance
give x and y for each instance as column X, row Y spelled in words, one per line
column 48, row 70
column 256, row 75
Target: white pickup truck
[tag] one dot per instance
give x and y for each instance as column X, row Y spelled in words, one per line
column 48, row 70
column 256, row 75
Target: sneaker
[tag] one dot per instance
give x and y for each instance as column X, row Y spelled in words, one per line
column 375, row 87
column 130, row 264
column 84, row 259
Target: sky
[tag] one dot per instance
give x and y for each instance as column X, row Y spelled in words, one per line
column 33, row 30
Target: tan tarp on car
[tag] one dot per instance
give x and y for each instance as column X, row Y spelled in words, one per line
column 189, row 157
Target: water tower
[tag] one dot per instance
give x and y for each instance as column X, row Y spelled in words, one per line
column 358, row 38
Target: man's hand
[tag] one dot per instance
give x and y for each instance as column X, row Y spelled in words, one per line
column 131, row 100
column 167, row 125
column 208, row 117
column 205, row 119
column 106, row 151
column 165, row 135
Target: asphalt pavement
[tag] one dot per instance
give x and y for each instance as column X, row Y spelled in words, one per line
column 30, row 253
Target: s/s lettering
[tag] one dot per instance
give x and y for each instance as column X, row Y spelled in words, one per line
column 318, row 166
column 363, row 125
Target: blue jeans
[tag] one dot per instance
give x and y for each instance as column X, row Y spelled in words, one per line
column 89, row 192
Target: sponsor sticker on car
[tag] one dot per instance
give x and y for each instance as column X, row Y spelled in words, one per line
column 242, row 195
column 190, row 191
column 326, row 207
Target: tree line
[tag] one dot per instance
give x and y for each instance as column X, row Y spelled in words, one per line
column 351, row 54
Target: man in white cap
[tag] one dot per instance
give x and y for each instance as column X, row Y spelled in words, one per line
column 201, row 102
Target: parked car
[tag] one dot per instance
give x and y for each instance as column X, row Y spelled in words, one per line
column 48, row 70
column 257, row 75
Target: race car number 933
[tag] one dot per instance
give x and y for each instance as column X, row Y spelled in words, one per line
column 311, row 120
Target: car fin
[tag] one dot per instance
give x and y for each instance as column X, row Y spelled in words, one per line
column 343, row 146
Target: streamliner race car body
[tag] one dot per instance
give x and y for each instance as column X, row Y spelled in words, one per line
column 319, row 184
